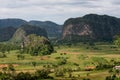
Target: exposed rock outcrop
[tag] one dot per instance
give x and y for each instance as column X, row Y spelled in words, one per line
column 91, row 27
column 26, row 30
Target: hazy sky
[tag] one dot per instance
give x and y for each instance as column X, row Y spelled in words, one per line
column 56, row 10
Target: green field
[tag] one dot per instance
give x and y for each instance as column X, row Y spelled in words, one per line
column 76, row 61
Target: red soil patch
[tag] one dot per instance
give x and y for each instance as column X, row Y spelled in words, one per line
column 44, row 58
column 68, row 52
column 6, row 65
column 88, row 68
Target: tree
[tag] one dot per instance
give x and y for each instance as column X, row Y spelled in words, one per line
column 11, row 67
column 34, row 64
column 59, row 73
column 23, row 76
column 62, row 61
column 117, row 40
column 4, row 69
column 20, row 57
column 43, row 74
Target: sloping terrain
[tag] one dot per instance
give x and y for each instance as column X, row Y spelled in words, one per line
column 91, row 27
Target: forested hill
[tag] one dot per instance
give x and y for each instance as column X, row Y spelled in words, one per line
column 53, row 29
column 9, row 26
column 25, row 30
column 11, row 22
column 91, row 27
column 6, row 33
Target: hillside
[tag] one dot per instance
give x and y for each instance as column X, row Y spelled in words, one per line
column 91, row 27
column 53, row 29
column 12, row 22
column 6, row 33
column 26, row 30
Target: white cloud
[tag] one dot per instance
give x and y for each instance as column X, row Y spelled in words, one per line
column 56, row 10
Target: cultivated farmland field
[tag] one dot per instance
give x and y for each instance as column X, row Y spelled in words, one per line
column 78, row 62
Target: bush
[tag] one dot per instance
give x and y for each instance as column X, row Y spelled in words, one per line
column 59, row 73
column 75, row 64
column 38, row 75
column 57, row 57
column 112, row 77
column 34, row 64
column 11, row 67
column 86, row 79
column 43, row 74
column 23, row 76
column 62, row 61
column 20, row 57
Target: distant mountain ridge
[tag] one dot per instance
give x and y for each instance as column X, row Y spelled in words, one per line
column 91, row 27
column 52, row 28
column 5, row 24
column 12, row 22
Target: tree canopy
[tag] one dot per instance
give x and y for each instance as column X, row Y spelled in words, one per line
column 117, row 40
column 37, row 45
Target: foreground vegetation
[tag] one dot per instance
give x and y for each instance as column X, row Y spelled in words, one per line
column 78, row 61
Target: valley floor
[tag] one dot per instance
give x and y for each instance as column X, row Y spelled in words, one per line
column 78, row 62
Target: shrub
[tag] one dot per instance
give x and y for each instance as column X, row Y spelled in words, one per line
column 75, row 64
column 86, row 79
column 43, row 74
column 62, row 61
column 59, row 73
column 57, row 57
column 34, row 64
column 23, row 76
column 20, row 57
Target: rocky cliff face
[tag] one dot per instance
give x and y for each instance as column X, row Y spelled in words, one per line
column 91, row 27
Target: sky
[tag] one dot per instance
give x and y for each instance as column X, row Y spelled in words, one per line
column 57, row 10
